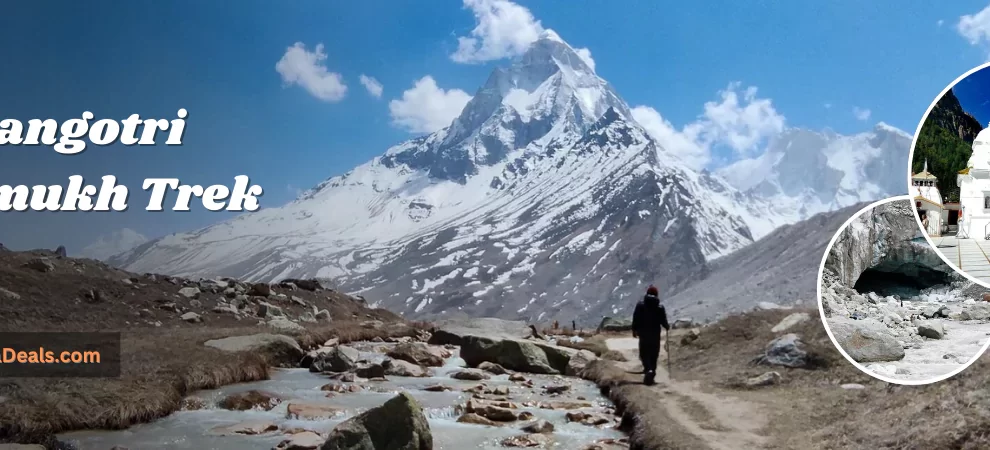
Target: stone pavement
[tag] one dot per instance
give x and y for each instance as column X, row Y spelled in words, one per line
column 972, row 256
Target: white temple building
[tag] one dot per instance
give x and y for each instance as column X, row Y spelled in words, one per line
column 974, row 190
column 928, row 202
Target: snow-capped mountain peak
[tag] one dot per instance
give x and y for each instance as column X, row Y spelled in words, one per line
column 113, row 244
column 542, row 197
column 546, row 91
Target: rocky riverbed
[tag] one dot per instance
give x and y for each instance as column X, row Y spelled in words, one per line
column 918, row 338
column 893, row 305
column 486, row 407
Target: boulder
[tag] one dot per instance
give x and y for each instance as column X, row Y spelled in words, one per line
column 370, row 371
column 452, row 331
column 60, row 251
column 470, row 375
column 339, row 359
column 307, row 317
column 790, row 322
column 767, row 379
column 787, row 350
column 251, row 427
column 279, row 347
column 518, row 355
column 691, row 336
column 540, row 426
column 684, row 322
column 866, row 342
column 588, row 419
column 191, row 317
column 266, row 309
column 260, row 290
column 189, row 292
column 936, row 312
column 613, row 324
column 528, row 440
column 311, row 411
column 284, row 324
column 931, row 329
column 557, row 356
column 400, row 368
column 975, row 312
column 40, row 264
column 492, row 368
column 8, row 295
column 417, row 353
column 306, row 285
column 577, row 362
column 496, row 413
column 253, row 399
column 399, row 424
column 475, row 419
column 304, row 440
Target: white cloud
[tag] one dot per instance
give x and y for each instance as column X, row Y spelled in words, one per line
column 372, row 85
column 739, row 120
column 828, row 106
column 585, row 54
column 975, row 27
column 308, row 70
column 504, row 29
column 426, row 108
column 861, row 114
column 940, row 23
column 683, row 144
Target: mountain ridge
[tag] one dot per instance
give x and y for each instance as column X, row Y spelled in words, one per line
column 542, row 197
column 945, row 143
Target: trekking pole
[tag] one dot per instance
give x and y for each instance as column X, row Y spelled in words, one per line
column 669, row 374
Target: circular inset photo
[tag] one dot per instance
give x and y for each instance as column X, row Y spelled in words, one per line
column 950, row 174
column 891, row 304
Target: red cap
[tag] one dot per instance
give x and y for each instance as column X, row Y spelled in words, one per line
column 652, row 290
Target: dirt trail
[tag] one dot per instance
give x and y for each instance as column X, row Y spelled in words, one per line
column 721, row 422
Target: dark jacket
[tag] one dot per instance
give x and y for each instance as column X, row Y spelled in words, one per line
column 650, row 317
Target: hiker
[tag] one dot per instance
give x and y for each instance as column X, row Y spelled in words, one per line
column 649, row 321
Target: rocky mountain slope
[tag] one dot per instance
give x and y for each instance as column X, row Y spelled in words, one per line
column 543, row 197
column 949, row 114
column 40, row 290
column 945, row 143
column 781, row 268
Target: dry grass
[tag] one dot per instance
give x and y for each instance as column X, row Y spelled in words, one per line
column 641, row 407
column 159, row 369
column 162, row 357
column 809, row 409
column 723, row 352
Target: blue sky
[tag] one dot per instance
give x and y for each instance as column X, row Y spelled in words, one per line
column 812, row 62
column 973, row 93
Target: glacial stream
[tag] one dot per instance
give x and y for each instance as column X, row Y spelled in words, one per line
column 195, row 429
